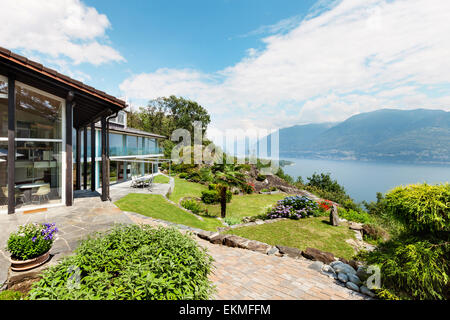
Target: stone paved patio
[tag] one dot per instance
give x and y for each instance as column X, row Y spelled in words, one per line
column 238, row 273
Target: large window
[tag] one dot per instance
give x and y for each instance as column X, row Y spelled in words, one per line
column 37, row 114
column 3, row 175
column 116, row 147
column 38, row 165
column 3, row 107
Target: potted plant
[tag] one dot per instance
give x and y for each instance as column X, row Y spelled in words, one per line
column 30, row 245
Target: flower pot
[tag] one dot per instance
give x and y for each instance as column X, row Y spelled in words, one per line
column 23, row 265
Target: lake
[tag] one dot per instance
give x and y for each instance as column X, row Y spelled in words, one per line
column 362, row 180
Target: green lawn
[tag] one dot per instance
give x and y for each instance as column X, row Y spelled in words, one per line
column 303, row 233
column 246, row 205
column 240, row 206
column 185, row 188
column 161, row 179
column 155, row 206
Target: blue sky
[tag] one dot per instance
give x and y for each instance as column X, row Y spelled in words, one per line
column 254, row 64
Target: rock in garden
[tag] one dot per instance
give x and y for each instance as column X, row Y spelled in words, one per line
column 366, row 291
column 355, row 226
column 354, row 278
column 352, row 286
column 258, row 246
column 316, row 254
column 216, row 238
column 342, row 277
column 289, row 251
column 233, row 241
column 316, row 266
column 204, row 234
column 334, row 218
column 362, row 273
column 334, row 263
column 273, row 251
column 329, row 271
column 344, row 268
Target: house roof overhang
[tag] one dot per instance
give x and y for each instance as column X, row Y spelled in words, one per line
column 90, row 104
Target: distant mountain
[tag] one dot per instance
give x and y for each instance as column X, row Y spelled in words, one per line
column 419, row 135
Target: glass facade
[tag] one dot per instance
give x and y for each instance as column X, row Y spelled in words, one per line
column 3, row 108
column 38, row 163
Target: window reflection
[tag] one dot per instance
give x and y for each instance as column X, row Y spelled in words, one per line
column 3, row 108
column 37, row 115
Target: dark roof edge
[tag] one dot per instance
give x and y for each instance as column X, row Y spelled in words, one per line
column 21, row 60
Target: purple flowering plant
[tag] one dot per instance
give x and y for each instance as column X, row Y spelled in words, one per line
column 31, row 240
column 293, row 207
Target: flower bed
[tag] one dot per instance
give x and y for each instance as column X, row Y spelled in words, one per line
column 293, row 207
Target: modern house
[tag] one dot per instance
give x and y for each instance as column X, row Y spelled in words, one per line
column 46, row 141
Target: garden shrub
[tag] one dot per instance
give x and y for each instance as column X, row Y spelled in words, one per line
column 213, row 196
column 31, row 240
column 232, row 221
column 413, row 268
column 130, row 263
column 205, row 174
column 192, row 205
column 183, row 175
column 355, row 216
column 11, row 295
column 248, row 188
column 293, row 207
column 421, row 207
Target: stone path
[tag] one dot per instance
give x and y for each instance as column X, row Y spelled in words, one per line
column 241, row 274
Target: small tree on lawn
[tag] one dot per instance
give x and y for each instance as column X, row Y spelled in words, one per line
column 227, row 176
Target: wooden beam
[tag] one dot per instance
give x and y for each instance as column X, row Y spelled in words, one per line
column 105, row 163
column 11, row 145
column 69, row 162
column 85, row 159
column 93, row 156
column 78, row 160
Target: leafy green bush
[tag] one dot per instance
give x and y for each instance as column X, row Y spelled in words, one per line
column 280, row 173
column 192, row 205
column 130, row 263
column 205, row 174
column 421, row 207
column 356, row 216
column 248, row 188
column 213, row 196
column 232, row 221
column 11, row 295
column 413, row 267
column 183, row 175
column 31, row 240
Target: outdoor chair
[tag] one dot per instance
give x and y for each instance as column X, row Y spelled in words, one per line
column 42, row 193
column 18, row 196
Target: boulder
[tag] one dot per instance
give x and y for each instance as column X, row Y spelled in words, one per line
column 217, row 238
column 273, row 251
column 204, row 234
column 362, row 273
column 233, row 241
column 258, row 246
column 342, row 277
column 344, row 268
column 352, row 286
column 334, row 263
column 354, row 278
column 317, row 255
column 366, row 291
column 334, row 217
column 329, row 271
column 289, row 251
column 355, row 226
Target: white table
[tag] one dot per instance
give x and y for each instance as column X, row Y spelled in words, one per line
column 27, row 187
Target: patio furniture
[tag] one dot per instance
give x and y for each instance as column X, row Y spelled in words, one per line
column 18, row 196
column 42, row 193
column 26, row 189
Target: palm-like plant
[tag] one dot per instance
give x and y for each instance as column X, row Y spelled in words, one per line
column 226, row 176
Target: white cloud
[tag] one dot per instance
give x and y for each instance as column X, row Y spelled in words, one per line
column 356, row 56
column 60, row 29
